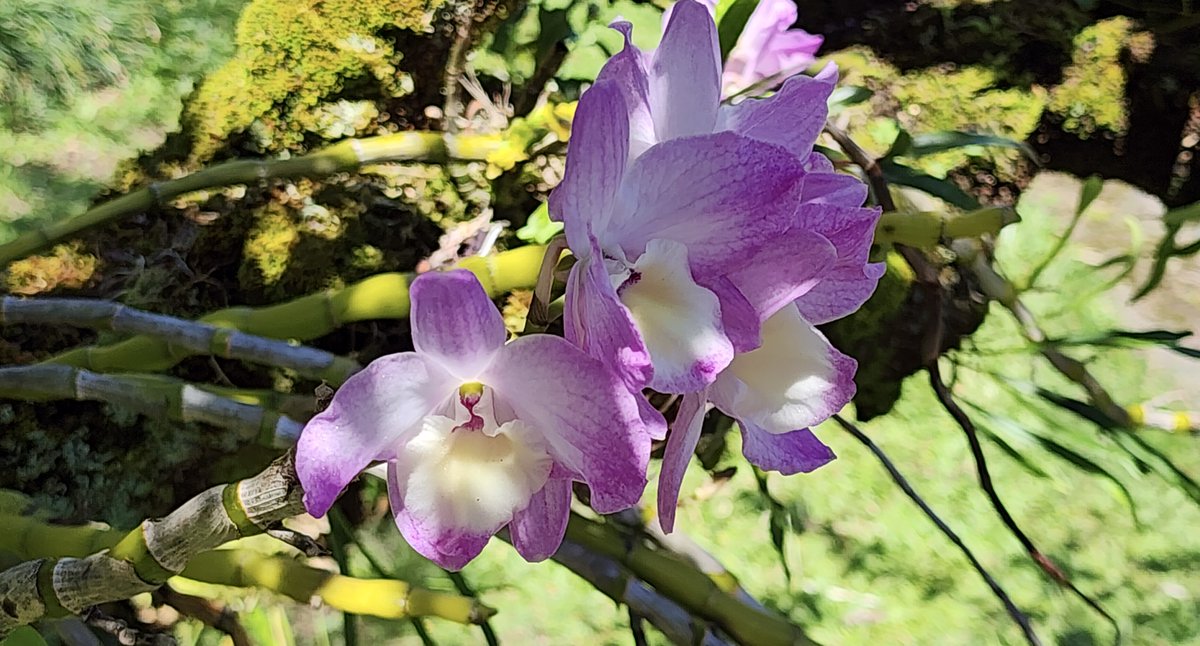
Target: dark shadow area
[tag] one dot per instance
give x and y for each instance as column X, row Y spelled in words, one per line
column 1027, row 42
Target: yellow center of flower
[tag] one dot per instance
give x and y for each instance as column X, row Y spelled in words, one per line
column 470, row 390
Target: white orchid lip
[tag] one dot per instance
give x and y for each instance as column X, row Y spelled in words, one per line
column 679, row 321
column 794, row 380
column 473, row 471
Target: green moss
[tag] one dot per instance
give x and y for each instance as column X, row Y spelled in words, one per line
column 981, row 98
column 366, row 257
column 293, row 59
column 66, row 267
column 939, row 99
column 87, row 461
column 1091, row 96
column 268, row 250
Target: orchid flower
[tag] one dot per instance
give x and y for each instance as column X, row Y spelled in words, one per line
column 784, row 375
column 478, row 434
column 654, row 236
column 767, row 46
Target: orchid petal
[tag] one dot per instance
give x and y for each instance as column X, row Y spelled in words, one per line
column 841, row 294
column 681, row 443
column 788, row 453
column 652, row 418
column 538, row 530
column 721, row 195
column 369, row 419
column 851, row 280
column 454, row 322
column 792, row 117
column 785, row 269
column 768, row 47
column 453, row 487
column 796, row 379
column 596, row 321
column 628, row 69
column 587, row 415
column 596, row 160
column 818, row 163
column 679, row 321
column 832, row 188
column 449, row 548
column 685, row 75
column 739, row 318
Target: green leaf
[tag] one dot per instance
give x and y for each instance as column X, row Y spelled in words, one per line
column 731, row 20
column 943, row 189
column 845, row 96
column 1009, row 436
column 936, row 142
column 1182, row 215
column 778, row 518
column 1131, row 339
column 901, row 145
column 24, row 636
column 1149, row 458
column 539, row 228
column 1062, row 451
column 1089, row 192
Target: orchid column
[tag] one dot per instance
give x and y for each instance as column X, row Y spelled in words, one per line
column 710, row 239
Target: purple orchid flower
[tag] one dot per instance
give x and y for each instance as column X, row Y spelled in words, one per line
column 655, row 235
column 478, row 434
column 784, row 375
column 767, row 46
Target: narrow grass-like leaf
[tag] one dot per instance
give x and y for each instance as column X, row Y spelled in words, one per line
column 845, row 96
column 930, row 143
column 944, row 189
column 1089, row 192
column 778, row 518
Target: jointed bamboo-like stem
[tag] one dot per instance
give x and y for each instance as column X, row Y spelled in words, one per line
column 686, row 547
column 925, row 229
column 153, row 395
column 340, row 157
column 1176, row 421
column 157, row 550
column 383, row 296
column 387, row 598
column 182, row 337
column 690, row 588
column 615, row 582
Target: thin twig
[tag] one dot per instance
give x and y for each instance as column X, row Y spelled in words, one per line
column 526, row 97
column 636, row 628
column 1013, row 611
column 210, row 612
column 418, row 625
column 985, row 482
column 610, row 578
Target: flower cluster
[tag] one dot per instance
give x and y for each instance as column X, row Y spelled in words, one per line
column 709, row 240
